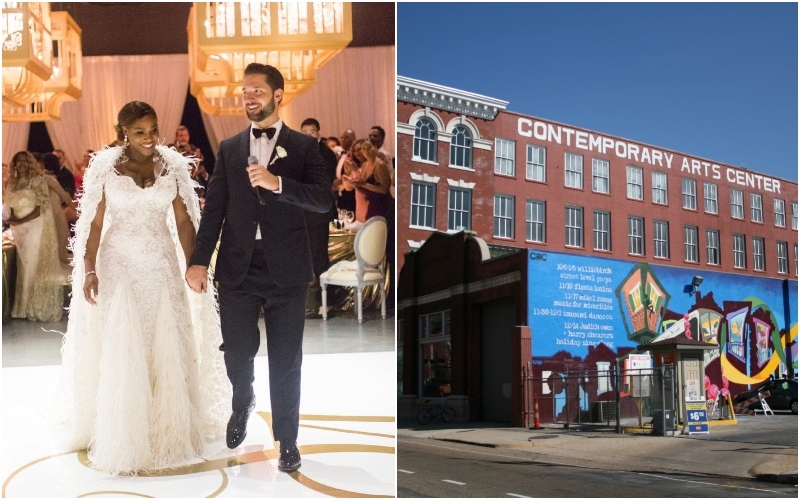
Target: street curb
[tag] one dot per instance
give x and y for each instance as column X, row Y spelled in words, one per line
column 778, row 478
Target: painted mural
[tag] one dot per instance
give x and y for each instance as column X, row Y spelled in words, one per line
column 586, row 312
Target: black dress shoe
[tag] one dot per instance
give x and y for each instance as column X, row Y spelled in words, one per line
column 290, row 457
column 237, row 425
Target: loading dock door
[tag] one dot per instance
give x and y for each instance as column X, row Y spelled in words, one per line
column 497, row 319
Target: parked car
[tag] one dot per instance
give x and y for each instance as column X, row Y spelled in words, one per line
column 782, row 395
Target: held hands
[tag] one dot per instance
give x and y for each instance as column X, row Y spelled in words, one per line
column 197, row 278
column 90, row 288
column 260, row 176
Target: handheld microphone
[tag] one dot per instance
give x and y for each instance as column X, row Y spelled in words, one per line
column 252, row 160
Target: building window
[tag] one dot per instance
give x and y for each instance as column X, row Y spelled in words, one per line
column 425, row 140
column 755, row 208
column 712, row 247
column 461, row 148
column 573, row 173
column 574, row 227
column 710, row 197
column 660, row 188
column 535, row 166
column 758, row 254
column 504, row 157
column 635, row 187
column 780, row 212
column 600, row 176
column 737, row 204
column 423, row 203
column 435, row 353
column 535, row 221
column 661, row 239
column 602, row 230
column 739, row 255
column 783, row 257
column 458, row 212
column 635, row 236
column 689, row 190
column 503, row 216
column 690, row 244
column 794, row 216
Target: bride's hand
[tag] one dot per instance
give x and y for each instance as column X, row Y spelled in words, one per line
column 90, row 289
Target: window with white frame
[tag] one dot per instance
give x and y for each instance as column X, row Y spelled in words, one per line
column 435, row 353
column 758, row 254
column 600, row 176
column 755, row 208
column 635, row 236
column 503, row 216
column 504, row 157
column 712, row 247
column 794, row 216
column 737, row 204
column 425, row 140
column 573, row 172
column 459, row 208
column 535, row 166
column 780, row 212
column 660, row 188
column 782, row 249
column 574, row 226
column 661, row 239
column 635, row 185
column 689, row 190
column 602, row 230
column 710, row 197
column 690, row 243
column 535, row 221
column 739, row 254
column 423, row 204
column 461, row 147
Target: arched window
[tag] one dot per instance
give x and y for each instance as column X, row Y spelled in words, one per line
column 425, row 140
column 461, row 147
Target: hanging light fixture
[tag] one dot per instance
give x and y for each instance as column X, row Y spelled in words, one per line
column 65, row 82
column 27, row 50
column 296, row 38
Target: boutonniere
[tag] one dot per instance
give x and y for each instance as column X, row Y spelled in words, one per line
column 279, row 153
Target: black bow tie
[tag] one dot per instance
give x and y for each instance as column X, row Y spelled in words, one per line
column 269, row 131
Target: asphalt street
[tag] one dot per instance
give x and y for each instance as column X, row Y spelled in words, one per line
column 430, row 468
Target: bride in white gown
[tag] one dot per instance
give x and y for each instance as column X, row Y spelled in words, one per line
column 143, row 381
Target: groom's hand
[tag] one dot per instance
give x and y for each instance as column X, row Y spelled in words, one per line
column 260, row 176
column 197, row 278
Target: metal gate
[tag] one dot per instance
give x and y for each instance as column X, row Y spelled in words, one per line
column 497, row 319
column 641, row 400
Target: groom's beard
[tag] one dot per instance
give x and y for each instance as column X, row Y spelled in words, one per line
column 264, row 113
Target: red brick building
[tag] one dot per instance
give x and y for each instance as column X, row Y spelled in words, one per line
column 465, row 162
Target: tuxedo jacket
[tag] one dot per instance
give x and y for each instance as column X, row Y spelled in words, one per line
column 330, row 161
column 232, row 206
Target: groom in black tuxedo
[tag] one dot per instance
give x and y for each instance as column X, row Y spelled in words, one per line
column 264, row 179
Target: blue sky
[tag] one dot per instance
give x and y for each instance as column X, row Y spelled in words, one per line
column 717, row 81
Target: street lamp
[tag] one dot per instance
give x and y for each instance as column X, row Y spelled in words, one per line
column 691, row 289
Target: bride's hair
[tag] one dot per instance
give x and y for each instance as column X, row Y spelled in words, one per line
column 131, row 112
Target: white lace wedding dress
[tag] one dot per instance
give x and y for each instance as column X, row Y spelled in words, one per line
column 143, row 380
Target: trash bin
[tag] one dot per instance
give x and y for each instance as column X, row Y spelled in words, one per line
column 661, row 426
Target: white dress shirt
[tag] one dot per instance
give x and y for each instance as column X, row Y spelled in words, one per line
column 262, row 148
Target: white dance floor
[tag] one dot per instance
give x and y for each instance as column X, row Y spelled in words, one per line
column 347, row 441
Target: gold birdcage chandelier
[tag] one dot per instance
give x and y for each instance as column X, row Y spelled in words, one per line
column 29, row 92
column 296, row 38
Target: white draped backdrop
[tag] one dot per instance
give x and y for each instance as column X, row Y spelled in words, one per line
column 355, row 89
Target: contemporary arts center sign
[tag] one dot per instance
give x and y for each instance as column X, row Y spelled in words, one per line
column 576, row 303
column 579, row 139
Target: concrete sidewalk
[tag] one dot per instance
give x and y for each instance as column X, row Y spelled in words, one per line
column 730, row 451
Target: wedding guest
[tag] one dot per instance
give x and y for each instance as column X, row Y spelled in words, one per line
column 372, row 183
column 333, row 143
column 64, row 175
column 377, row 136
column 32, row 206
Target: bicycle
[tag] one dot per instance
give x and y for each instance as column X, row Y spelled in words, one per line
column 441, row 410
